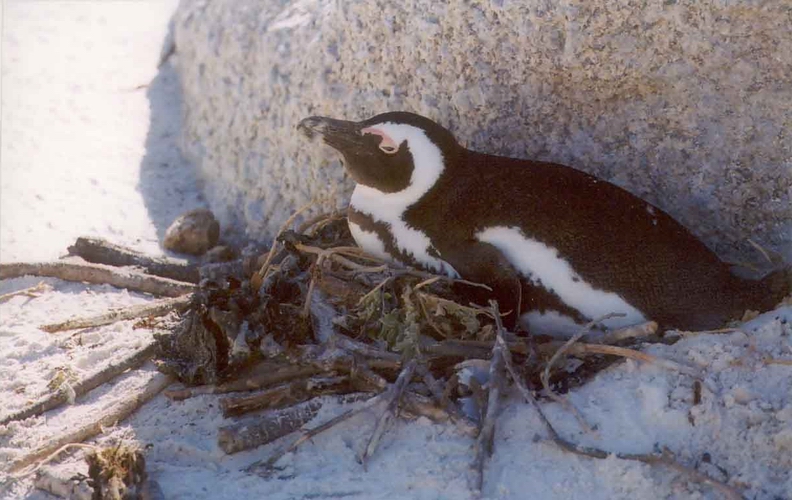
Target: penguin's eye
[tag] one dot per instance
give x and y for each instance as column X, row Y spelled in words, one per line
column 386, row 145
column 388, row 149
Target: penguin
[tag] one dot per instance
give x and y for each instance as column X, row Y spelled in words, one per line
column 557, row 246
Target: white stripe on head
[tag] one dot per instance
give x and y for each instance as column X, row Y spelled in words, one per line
column 427, row 167
column 539, row 262
column 390, row 207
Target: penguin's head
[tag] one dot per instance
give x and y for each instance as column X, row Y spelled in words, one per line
column 393, row 152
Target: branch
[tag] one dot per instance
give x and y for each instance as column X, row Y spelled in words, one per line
column 100, row 251
column 62, row 484
column 98, row 274
column 496, row 385
column 55, row 400
column 32, row 292
column 392, row 397
column 264, row 375
column 118, row 413
column 152, row 309
column 267, row 428
column 292, row 393
column 665, row 458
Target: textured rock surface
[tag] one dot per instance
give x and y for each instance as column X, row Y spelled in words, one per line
column 193, row 232
column 686, row 104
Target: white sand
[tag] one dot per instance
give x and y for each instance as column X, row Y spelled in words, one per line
column 85, row 151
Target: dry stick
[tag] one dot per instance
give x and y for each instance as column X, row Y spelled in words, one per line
column 249, row 434
column 52, row 456
column 414, row 403
column 273, row 249
column 33, row 291
column 374, row 290
column 365, row 350
column 392, row 398
column 664, row 459
column 263, row 377
column 764, row 252
column 315, row 268
column 62, row 484
column 336, row 214
column 100, row 251
column 118, row 413
column 630, row 332
column 776, row 361
column 311, row 433
column 545, row 376
column 441, row 398
column 84, row 386
column 487, row 433
column 152, row 309
column 583, row 349
column 284, row 395
column 98, row 274
column 333, row 253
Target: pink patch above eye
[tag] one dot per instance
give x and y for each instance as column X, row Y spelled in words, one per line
column 386, row 142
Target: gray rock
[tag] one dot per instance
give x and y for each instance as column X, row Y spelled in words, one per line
column 686, row 105
column 193, row 232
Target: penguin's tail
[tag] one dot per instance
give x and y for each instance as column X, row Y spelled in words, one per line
column 766, row 293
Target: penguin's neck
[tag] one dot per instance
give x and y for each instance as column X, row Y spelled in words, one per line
column 412, row 245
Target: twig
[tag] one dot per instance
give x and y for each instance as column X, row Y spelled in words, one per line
column 267, row 428
column 438, row 394
column 98, row 274
column 776, row 361
column 374, row 290
column 664, row 458
column 545, row 377
column 583, row 349
column 496, row 386
column 265, row 375
column 118, row 413
column 392, row 397
column 365, row 350
column 321, row 218
column 316, row 267
column 290, row 394
column 630, row 332
column 718, row 331
column 100, row 251
column 33, row 291
column 262, row 272
column 49, row 458
column 395, row 269
column 763, row 251
column 63, row 485
column 105, row 375
column 311, row 433
column 152, row 309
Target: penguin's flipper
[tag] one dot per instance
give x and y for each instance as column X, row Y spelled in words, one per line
column 483, row 263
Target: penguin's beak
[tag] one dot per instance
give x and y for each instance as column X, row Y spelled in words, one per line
column 340, row 134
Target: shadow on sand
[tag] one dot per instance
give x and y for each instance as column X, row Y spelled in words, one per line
column 168, row 182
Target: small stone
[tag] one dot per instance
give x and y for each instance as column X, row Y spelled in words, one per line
column 193, row 232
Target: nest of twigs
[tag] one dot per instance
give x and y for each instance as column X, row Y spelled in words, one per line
column 314, row 285
column 316, row 316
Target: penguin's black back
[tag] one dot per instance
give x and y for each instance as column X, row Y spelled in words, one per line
column 612, row 239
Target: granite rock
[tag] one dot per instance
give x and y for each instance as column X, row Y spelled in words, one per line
column 686, row 104
column 193, row 232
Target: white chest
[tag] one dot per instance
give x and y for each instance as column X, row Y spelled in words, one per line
column 407, row 241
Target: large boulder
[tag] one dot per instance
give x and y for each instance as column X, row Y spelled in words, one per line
column 686, row 104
